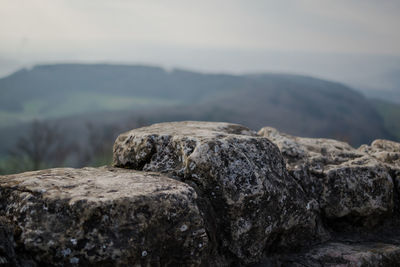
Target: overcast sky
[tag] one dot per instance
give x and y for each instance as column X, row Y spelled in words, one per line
column 195, row 33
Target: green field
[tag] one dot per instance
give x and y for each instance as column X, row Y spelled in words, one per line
column 77, row 103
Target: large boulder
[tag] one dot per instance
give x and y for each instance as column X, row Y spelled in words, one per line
column 201, row 194
column 348, row 183
column 250, row 202
column 100, row 216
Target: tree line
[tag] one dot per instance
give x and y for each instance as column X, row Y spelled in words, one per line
column 47, row 145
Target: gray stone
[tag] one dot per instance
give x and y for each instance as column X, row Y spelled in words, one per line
column 251, row 204
column 365, row 254
column 102, row 216
column 7, row 244
column 386, row 152
column 208, row 194
column 347, row 183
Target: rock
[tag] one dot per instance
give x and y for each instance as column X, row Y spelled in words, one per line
column 385, row 151
column 7, row 253
column 348, row 183
column 342, row 254
column 101, row 216
column 209, row 194
column 380, row 145
column 250, row 202
column 388, row 153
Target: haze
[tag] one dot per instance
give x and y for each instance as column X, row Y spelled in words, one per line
column 356, row 42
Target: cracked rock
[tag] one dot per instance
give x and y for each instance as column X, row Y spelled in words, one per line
column 251, row 204
column 348, row 183
column 102, row 216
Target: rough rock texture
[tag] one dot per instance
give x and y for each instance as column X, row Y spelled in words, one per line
column 103, row 216
column 348, row 183
column 209, row 194
column 7, row 253
column 365, row 254
column 251, row 204
column 388, row 153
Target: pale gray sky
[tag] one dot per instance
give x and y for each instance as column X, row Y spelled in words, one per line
column 197, row 34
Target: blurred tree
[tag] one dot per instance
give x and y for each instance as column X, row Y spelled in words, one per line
column 98, row 149
column 44, row 146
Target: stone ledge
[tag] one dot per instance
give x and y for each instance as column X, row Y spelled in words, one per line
column 200, row 194
column 104, row 216
column 250, row 201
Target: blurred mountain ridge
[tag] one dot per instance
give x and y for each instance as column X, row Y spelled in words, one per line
column 105, row 94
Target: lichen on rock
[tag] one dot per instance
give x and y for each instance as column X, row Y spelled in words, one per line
column 209, row 194
column 104, row 216
column 388, row 153
column 251, row 203
column 347, row 183
column 363, row 254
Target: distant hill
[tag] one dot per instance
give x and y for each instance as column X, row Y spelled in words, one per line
column 294, row 104
column 390, row 112
column 49, row 91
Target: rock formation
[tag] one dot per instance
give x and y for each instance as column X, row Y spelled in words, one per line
column 249, row 200
column 209, row 194
column 346, row 182
column 103, row 216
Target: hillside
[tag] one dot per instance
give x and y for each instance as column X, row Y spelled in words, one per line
column 118, row 96
column 390, row 112
column 68, row 89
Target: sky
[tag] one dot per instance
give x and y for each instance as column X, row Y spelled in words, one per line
column 328, row 38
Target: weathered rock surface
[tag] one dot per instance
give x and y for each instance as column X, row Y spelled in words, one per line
column 7, row 253
column 209, row 194
column 388, row 153
column 365, row 254
column 102, row 216
column 251, row 204
column 347, row 183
